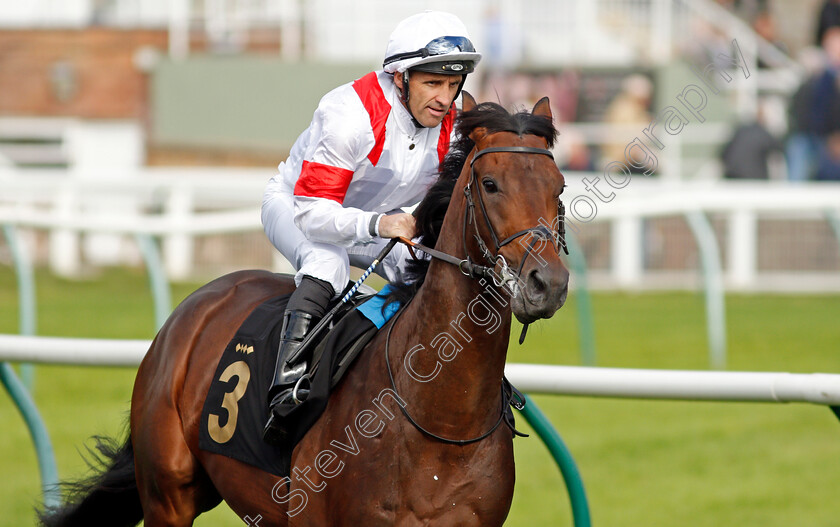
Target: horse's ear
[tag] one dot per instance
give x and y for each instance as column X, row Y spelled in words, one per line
column 542, row 108
column 477, row 134
column 467, row 101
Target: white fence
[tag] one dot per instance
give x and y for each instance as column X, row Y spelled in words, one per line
column 741, row 204
column 178, row 205
column 175, row 205
column 817, row 388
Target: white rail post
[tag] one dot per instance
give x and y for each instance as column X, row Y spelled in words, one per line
column 742, row 248
column 626, row 250
column 291, row 30
column 660, row 31
column 64, row 243
column 179, row 29
column 178, row 247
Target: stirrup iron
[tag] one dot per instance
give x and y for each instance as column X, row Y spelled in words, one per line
column 296, row 391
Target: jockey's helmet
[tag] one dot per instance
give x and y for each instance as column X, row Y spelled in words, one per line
column 433, row 42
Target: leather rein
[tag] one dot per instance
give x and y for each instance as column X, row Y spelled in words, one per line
column 474, row 270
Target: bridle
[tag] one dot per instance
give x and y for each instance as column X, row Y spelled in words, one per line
column 505, row 277
column 537, row 233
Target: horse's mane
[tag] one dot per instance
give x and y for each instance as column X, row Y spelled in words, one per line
column 431, row 210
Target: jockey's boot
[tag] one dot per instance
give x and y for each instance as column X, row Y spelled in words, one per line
column 296, row 324
column 289, row 387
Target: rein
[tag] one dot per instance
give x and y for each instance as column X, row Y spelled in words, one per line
column 466, row 265
column 507, row 400
column 467, row 268
column 505, row 277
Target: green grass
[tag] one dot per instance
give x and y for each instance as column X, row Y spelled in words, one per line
column 648, row 463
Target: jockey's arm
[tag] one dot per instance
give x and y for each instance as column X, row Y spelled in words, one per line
column 324, row 220
column 342, row 141
column 327, row 221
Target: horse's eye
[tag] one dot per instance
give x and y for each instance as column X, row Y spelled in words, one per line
column 490, row 186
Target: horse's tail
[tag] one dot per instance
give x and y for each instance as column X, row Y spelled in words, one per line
column 108, row 497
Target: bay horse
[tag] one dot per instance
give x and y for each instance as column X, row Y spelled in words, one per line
column 410, row 436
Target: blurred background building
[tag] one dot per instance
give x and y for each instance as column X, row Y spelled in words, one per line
column 136, row 108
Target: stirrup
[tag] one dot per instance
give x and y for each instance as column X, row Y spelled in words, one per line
column 297, row 389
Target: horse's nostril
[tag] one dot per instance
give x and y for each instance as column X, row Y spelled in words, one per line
column 536, row 285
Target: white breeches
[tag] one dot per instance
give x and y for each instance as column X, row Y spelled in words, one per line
column 322, row 260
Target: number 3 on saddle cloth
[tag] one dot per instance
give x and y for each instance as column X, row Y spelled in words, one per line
column 235, row 410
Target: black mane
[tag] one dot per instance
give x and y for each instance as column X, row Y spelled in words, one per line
column 430, row 212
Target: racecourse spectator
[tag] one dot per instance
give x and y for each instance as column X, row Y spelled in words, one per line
column 829, row 17
column 825, row 109
column 630, row 107
column 747, row 155
column 828, row 164
column 802, row 144
column 764, row 24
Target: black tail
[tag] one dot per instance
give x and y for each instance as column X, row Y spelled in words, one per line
column 108, row 497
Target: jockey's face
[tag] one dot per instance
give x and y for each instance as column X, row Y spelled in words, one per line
column 430, row 95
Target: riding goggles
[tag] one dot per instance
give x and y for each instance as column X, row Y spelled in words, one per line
column 438, row 46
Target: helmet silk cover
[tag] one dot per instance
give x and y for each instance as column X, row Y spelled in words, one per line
column 441, row 34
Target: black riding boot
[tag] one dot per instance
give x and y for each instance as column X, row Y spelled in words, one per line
column 296, row 325
column 305, row 308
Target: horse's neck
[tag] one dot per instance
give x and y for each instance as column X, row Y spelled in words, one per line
column 459, row 328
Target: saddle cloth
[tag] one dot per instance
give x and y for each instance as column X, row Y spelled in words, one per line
column 235, row 409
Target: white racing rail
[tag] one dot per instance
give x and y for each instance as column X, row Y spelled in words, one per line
column 780, row 387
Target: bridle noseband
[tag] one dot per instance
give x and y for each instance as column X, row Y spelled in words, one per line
column 538, row 232
column 505, row 277
column 471, row 206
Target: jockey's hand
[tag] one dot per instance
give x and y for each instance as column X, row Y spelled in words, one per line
column 402, row 224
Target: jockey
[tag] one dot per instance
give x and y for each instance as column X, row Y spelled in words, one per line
column 373, row 146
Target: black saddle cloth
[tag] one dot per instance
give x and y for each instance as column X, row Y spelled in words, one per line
column 235, row 409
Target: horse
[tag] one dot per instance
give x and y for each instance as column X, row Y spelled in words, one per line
column 411, row 435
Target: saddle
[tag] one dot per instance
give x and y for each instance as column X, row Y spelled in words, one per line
column 235, row 411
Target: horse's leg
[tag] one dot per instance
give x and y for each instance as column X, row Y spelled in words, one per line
column 173, row 487
column 169, row 392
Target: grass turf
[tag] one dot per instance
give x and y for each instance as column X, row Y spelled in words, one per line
column 646, row 463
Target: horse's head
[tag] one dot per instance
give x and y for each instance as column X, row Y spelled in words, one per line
column 511, row 187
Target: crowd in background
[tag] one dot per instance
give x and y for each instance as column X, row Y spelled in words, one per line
column 811, row 145
column 802, row 145
column 811, row 142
